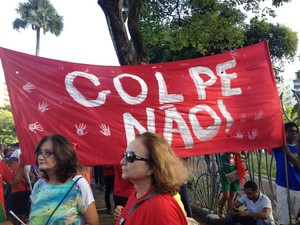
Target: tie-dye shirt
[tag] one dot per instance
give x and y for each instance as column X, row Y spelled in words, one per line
column 45, row 197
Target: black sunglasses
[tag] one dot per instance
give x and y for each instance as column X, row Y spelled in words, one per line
column 131, row 156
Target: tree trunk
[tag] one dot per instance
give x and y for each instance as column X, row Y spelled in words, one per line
column 115, row 22
column 134, row 11
column 37, row 48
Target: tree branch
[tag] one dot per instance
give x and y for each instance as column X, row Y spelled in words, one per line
column 135, row 7
column 115, row 22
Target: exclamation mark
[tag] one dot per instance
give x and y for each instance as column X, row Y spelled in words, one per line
column 226, row 114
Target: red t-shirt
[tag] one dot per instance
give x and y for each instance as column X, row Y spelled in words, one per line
column 23, row 185
column 108, row 170
column 7, row 176
column 160, row 209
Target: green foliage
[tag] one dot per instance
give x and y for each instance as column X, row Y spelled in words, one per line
column 278, row 3
column 7, row 127
column 262, row 166
column 292, row 114
column 298, row 75
column 40, row 15
column 202, row 28
column 177, row 30
column 6, row 107
column 283, row 41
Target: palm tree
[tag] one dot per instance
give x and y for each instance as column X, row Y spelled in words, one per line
column 40, row 14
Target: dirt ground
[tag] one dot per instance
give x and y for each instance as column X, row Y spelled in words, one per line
column 104, row 218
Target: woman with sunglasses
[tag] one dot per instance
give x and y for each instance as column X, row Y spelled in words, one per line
column 157, row 174
column 61, row 196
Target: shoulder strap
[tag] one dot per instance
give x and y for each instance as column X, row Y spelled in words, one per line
column 134, row 207
column 63, row 199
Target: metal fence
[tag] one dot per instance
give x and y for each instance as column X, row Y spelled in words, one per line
column 205, row 189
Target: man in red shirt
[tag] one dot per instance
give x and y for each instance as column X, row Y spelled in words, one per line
column 20, row 198
column 13, row 180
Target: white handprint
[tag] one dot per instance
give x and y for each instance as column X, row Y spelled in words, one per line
column 234, row 54
column 43, row 106
column 104, row 129
column 80, row 129
column 253, row 134
column 259, row 115
column 243, row 118
column 28, row 87
column 35, row 127
column 239, row 135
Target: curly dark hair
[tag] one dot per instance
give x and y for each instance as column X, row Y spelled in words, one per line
column 65, row 155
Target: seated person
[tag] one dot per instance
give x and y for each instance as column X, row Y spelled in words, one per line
column 259, row 208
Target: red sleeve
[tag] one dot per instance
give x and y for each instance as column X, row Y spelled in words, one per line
column 7, row 174
column 15, row 168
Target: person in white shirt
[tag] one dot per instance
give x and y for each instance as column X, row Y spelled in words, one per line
column 17, row 151
column 259, row 208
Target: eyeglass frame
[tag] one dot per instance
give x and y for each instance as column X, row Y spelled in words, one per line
column 134, row 157
column 46, row 153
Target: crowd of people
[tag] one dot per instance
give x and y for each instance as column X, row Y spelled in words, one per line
column 148, row 186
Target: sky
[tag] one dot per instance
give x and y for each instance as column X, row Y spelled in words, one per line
column 86, row 39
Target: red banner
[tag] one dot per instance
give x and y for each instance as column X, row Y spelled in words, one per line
column 225, row 102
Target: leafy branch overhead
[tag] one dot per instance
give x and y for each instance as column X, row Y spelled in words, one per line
column 168, row 30
column 7, row 126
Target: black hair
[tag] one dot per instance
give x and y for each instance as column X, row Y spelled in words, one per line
column 251, row 184
column 14, row 159
column 289, row 125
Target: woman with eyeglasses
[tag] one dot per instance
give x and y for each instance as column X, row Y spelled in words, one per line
column 157, row 174
column 61, row 196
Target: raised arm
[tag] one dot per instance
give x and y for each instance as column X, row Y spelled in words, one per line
column 17, row 178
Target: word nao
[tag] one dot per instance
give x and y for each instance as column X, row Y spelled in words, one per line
column 171, row 113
